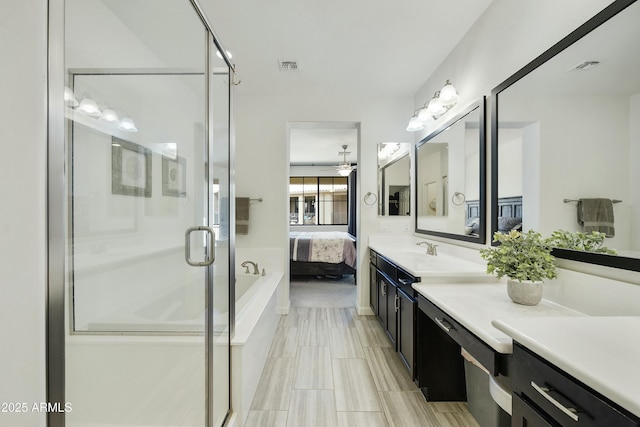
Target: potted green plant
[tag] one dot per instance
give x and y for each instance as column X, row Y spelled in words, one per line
column 580, row 241
column 525, row 258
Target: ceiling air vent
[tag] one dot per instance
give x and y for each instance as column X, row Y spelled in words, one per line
column 288, row 65
column 585, row 65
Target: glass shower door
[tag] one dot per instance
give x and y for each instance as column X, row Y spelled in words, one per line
column 147, row 340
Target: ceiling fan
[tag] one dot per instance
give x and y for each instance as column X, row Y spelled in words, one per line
column 344, row 168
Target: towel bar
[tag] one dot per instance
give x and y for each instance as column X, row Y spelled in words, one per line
column 573, row 200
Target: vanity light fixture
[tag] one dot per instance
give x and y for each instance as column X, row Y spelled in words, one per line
column 89, row 107
column 70, row 98
column 101, row 111
column 415, row 123
column 387, row 149
column 441, row 102
column 109, row 116
column 127, row 124
column 448, row 95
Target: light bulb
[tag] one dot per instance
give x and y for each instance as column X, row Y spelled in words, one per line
column 344, row 170
column 448, row 94
column 128, row 125
column 435, row 107
column 89, row 106
column 109, row 116
column 415, row 124
column 70, row 98
column 424, row 115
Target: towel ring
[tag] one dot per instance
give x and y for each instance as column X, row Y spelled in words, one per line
column 458, row 198
column 368, row 199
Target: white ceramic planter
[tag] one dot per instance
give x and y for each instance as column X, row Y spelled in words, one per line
column 525, row 293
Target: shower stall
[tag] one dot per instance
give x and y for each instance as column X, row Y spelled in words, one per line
column 140, row 242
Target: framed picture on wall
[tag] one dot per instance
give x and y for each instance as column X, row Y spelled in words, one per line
column 174, row 176
column 130, row 168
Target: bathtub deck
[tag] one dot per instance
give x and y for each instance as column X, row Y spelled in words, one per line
column 331, row 367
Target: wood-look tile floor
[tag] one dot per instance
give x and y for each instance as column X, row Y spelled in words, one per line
column 331, row 367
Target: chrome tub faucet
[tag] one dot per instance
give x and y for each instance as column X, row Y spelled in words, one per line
column 246, row 264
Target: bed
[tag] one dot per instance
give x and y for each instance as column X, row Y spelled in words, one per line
column 509, row 215
column 322, row 253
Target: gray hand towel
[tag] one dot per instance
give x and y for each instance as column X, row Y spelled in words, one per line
column 242, row 215
column 596, row 215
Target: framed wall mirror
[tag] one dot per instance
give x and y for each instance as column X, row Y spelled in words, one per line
column 394, row 179
column 566, row 140
column 450, row 178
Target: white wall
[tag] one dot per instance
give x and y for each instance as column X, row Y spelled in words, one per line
column 22, row 216
column 634, row 161
column 505, row 38
column 262, row 166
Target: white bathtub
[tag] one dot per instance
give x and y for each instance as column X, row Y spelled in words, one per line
column 95, row 392
column 179, row 310
column 255, row 327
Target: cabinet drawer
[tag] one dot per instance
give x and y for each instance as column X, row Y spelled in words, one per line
column 467, row 340
column 404, row 282
column 386, row 267
column 524, row 415
column 563, row 397
column 372, row 256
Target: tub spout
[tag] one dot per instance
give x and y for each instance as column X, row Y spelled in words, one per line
column 246, row 264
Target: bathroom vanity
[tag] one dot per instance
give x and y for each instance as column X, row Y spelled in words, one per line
column 575, row 371
column 393, row 301
column 458, row 316
column 548, row 363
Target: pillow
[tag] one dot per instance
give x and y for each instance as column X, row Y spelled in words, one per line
column 472, row 226
column 507, row 223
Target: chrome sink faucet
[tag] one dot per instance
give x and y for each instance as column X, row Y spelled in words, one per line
column 432, row 248
column 246, row 264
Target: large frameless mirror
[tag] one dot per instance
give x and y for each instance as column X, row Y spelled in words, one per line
column 566, row 142
column 450, row 178
column 394, row 179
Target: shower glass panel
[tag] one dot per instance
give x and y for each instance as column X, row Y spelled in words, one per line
column 147, row 137
column 219, row 189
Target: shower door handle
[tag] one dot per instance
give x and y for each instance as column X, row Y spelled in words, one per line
column 212, row 249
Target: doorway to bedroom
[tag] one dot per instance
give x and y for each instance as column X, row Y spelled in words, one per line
column 323, row 160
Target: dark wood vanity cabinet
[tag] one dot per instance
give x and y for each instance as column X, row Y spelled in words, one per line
column 406, row 330
column 393, row 300
column 440, row 338
column 374, row 287
column 544, row 395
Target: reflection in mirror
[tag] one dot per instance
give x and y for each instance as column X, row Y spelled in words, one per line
column 450, row 178
column 567, row 138
column 394, row 181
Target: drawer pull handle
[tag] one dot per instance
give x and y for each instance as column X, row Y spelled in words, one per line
column 405, row 282
column 444, row 325
column 544, row 391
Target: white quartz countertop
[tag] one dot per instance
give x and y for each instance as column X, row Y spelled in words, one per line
column 602, row 352
column 443, row 267
column 476, row 305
